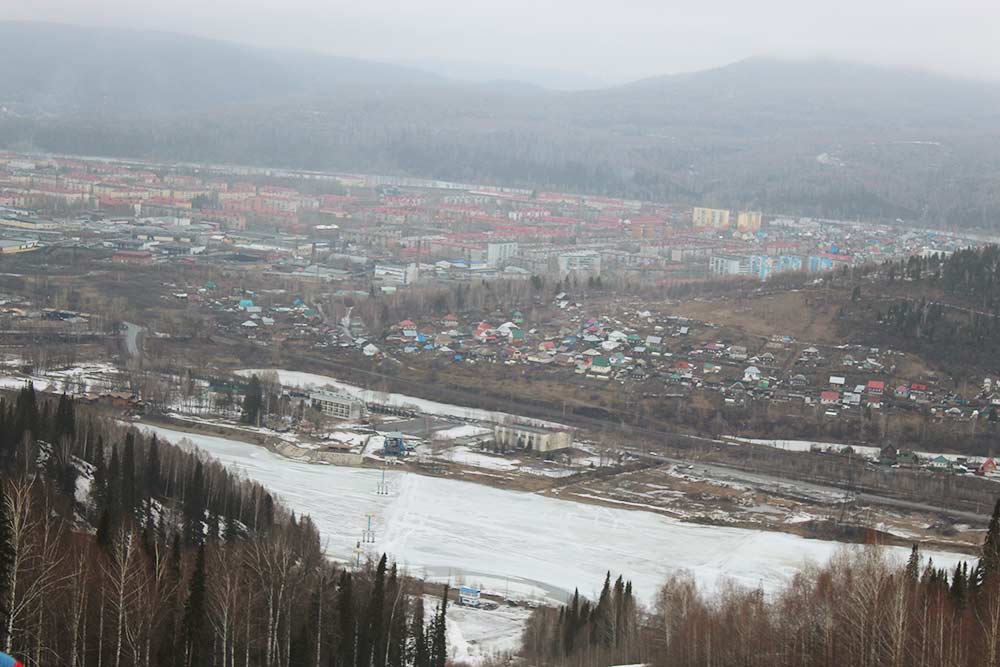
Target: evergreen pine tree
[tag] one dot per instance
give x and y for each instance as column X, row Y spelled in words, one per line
column 130, row 500
column 347, row 622
column 958, row 586
column 253, row 401
column 370, row 639
column 26, row 416
column 99, row 485
column 398, row 647
column 194, row 507
column 439, row 642
column 6, row 438
column 113, row 495
column 990, row 561
column 151, row 477
column 601, row 616
column 913, row 564
column 194, row 627
column 104, row 525
column 419, row 656
column 571, row 623
column 301, row 652
column 65, row 420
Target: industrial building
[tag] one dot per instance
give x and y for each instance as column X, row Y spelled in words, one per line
column 337, row 406
column 531, row 438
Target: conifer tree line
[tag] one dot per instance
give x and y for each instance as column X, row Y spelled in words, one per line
column 581, row 632
column 963, row 327
column 863, row 609
column 119, row 550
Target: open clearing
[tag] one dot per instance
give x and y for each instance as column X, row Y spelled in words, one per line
column 786, row 314
column 506, row 541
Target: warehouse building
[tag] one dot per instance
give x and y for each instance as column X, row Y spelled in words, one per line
column 510, row 437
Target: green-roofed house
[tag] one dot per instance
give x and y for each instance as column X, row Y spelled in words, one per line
column 600, row 365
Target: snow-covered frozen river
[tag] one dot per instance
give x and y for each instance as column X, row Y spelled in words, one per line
column 523, row 543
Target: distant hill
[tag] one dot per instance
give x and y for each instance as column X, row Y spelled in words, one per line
column 55, row 68
column 813, row 137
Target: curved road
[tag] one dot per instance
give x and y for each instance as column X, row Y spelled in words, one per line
column 132, row 333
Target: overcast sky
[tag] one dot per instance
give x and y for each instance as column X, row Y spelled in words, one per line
column 589, row 40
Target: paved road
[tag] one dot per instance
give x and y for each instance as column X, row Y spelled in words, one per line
column 132, row 333
column 812, row 490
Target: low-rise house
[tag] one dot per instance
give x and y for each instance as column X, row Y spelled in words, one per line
column 939, row 463
column 987, row 467
column 851, row 398
column 600, row 365
column 829, row 397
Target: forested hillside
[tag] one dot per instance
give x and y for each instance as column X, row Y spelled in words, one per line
column 117, row 549
column 945, row 309
column 814, row 137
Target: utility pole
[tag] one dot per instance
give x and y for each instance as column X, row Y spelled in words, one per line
column 382, row 489
column 368, row 534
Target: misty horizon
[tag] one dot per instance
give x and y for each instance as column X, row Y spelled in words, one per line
column 578, row 46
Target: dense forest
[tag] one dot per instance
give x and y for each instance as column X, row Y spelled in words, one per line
column 860, row 610
column 946, row 309
column 118, row 549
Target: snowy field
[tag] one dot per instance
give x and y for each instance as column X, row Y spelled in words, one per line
column 806, row 445
column 522, row 543
column 313, row 381
column 475, row 635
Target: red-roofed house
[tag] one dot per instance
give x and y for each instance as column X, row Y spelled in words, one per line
column 829, row 397
column 875, row 387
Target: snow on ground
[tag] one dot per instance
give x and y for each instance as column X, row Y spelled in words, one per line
column 475, row 635
column 806, row 445
column 467, row 457
column 464, row 431
column 88, row 377
column 347, row 438
column 506, row 540
column 313, row 381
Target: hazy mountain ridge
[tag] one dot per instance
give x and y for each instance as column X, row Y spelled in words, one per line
column 747, row 134
column 57, row 68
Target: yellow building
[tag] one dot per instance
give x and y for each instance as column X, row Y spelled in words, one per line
column 11, row 247
column 748, row 221
column 710, row 218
